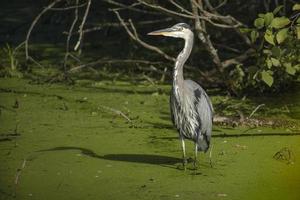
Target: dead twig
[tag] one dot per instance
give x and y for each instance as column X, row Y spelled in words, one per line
column 81, row 33
column 18, row 175
column 69, row 8
column 239, row 59
column 101, row 61
column 34, row 23
column 254, row 111
column 130, row 7
column 117, row 112
column 104, row 25
column 69, row 37
column 135, row 37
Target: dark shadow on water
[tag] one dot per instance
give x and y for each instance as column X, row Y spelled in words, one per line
column 143, row 158
column 135, row 158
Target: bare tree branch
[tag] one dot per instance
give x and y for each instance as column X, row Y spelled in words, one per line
column 204, row 37
column 130, row 7
column 81, row 33
column 135, row 37
column 239, row 59
column 34, row 23
column 100, row 27
column 160, row 8
column 68, row 8
column 101, row 61
column 70, row 35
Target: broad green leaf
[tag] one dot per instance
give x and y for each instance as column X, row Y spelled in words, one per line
column 298, row 32
column 280, row 22
column 253, row 35
column 267, row 78
column 269, row 37
column 276, row 51
column 268, row 18
column 276, row 10
column 282, row 35
column 289, row 69
column 296, row 6
column 298, row 21
column 275, row 62
column 259, row 23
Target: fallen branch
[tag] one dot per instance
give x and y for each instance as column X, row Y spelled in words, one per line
column 118, row 112
column 18, row 175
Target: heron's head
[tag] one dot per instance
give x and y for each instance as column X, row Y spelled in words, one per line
column 180, row 30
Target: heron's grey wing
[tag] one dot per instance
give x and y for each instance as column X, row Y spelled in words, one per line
column 198, row 91
column 203, row 106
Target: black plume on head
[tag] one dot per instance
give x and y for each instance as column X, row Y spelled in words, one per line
column 184, row 25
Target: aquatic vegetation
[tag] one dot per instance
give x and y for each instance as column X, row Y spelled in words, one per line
column 72, row 142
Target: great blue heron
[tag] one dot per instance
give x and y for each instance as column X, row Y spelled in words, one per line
column 191, row 108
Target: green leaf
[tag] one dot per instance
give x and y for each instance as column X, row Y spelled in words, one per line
column 289, row 69
column 267, row 78
column 261, row 15
column 245, row 30
column 275, row 62
column 254, row 35
column 276, row 10
column 282, row 35
column 269, row 63
column 276, row 52
column 280, row 22
column 269, row 37
column 296, row 6
column 298, row 32
column 268, row 18
column 267, row 52
column 298, row 21
column 259, row 23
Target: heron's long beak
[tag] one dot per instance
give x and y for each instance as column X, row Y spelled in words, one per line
column 164, row 32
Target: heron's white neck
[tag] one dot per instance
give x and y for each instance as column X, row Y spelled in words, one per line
column 181, row 59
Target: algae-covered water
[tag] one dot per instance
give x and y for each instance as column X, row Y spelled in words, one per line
column 75, row 142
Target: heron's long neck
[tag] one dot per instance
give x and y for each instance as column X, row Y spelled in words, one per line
column 181, row 59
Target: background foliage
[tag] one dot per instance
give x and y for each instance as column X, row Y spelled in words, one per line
column 259, row 52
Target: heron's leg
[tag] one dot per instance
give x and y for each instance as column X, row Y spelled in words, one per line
column 183, row 152
column 196, row 155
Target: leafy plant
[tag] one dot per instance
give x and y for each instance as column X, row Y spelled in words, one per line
column 277, row 43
